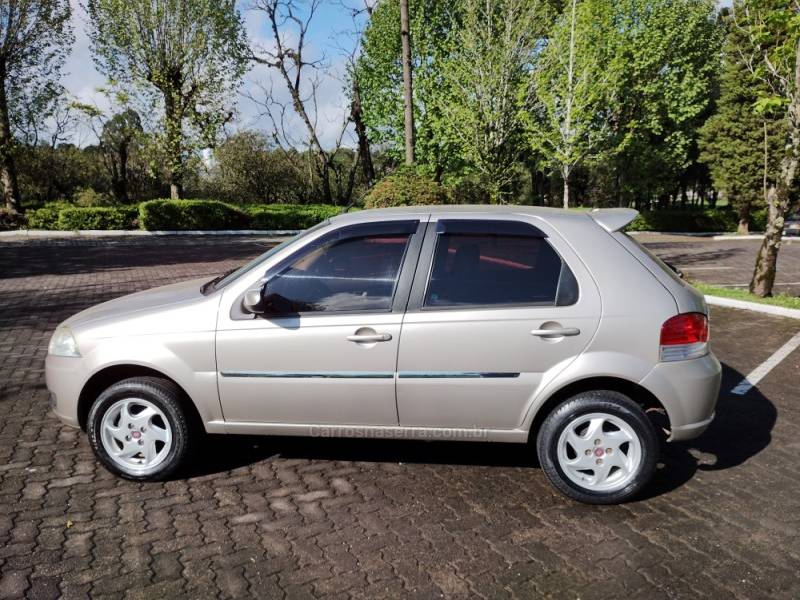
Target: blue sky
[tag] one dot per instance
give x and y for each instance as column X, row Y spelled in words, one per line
column 330, row 34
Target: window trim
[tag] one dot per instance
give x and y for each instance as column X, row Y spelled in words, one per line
column 427, row 254
column 402, row 288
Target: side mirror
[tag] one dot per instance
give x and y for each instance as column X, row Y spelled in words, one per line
column 253, row 301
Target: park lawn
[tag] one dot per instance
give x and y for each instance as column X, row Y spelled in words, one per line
column 784, row 300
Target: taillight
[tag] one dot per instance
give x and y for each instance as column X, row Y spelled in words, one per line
column 684, row 336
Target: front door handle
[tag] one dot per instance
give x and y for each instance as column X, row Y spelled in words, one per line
column 370, row 338
column 546, row 333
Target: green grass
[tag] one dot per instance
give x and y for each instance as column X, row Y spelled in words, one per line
column 784, row 300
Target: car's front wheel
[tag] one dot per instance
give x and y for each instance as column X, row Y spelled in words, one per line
column 138, row 428
column 598, row 447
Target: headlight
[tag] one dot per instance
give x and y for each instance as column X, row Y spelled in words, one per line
column 63, row 343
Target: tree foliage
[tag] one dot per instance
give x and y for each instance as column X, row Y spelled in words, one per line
column 668, row 56
column 185, row 57
column 34, row 38
column 380, row 77
column 485, row 74
column 771, row 52
column 731, row 138
column 575, row 87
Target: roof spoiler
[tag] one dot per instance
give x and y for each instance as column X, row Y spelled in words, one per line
column 613, row 219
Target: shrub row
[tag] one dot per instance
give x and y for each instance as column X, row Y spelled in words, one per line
column 186, row 215
column 161, row 215
column 290, row 216
column 177, row 215
column 693, row 221
column 98, row 217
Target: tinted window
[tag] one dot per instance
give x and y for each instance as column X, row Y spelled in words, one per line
column 344, row 272
column 471, row 268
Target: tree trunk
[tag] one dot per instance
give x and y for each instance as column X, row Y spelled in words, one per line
column 364, row 155
column 565, row 175
column 764, row 273
column 407, row 86
column 174, row 146
column 744, row 226
column 8, row 171
column 123, row 173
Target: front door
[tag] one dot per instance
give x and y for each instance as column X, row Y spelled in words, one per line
column 326, row 351
column 498, row 307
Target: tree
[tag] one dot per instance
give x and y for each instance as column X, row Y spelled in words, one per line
column 120, row 135
column 741, row 146
column 34, row 38
column 248, row 168
column 288, row 22
column 485, row 76
column 185, row 56
column 574, row 88
column 772, row 55
column 380, row 76
column 667, row 57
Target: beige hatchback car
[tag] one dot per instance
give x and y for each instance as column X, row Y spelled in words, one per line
column 502, row 324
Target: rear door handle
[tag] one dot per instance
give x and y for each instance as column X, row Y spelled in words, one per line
column 556, row 332
column 370, row 338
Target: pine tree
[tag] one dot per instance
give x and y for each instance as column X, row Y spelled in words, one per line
column 732, row 141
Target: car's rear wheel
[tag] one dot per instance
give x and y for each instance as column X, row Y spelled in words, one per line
column 598, row 447
column 138, row 428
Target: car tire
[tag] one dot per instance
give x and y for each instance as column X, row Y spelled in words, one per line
column 144, row 414
column 598, row 447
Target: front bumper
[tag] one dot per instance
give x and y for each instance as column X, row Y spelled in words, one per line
column 688, row 389
column 65, row 378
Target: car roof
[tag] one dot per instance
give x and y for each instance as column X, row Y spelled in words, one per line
column 611, row 219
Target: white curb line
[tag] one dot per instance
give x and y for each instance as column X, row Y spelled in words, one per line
column 779, row 311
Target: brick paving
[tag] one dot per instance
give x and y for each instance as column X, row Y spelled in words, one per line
column 726, row 262
column 369, row 519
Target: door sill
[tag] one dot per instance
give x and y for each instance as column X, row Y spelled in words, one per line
column 393, row 432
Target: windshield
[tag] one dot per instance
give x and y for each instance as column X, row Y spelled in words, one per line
column 228, row 277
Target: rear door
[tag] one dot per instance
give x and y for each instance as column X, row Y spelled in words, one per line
column 497, row 308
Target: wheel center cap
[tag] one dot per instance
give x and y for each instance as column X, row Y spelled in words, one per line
column 136, row 435
column 599, row 452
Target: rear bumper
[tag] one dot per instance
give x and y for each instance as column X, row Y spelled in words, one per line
column 688, row 389
column 690, row 431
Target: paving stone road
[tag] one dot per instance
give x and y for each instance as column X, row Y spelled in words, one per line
column 369, row 519
column 726, row 262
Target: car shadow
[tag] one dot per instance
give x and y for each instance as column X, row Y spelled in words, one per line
column 742, row 428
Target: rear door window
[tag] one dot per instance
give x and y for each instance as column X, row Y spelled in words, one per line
column 496, row 263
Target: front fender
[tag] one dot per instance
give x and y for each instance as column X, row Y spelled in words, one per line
column 187, row 359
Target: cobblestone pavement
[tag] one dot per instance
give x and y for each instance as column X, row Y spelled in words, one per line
column 725, row 262
column 370, row 519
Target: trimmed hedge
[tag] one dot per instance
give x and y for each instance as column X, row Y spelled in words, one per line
column 177, row 215
column 406, row 188
column 160, row 215
column 45, row 217
column 198, row 215
column 694, row 221
column 190, row 215
column 290, row 216
column 98, row 217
